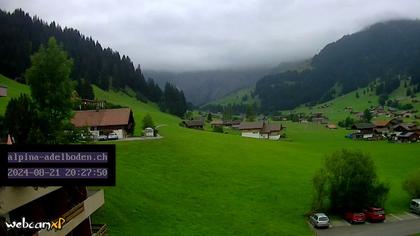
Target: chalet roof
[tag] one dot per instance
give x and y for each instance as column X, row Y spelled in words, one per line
column 217, row 122
column 407, row 127
column 363, row 126
column 251, row 125
column 381, row 123
column 268, row 128
column 3, row 86
column 191, row 123
column 104, row 117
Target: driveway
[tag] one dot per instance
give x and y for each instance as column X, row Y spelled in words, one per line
column 405, row 224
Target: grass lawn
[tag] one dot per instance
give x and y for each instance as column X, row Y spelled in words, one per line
column 205, row 183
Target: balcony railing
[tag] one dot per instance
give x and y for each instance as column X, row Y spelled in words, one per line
column 78, row 214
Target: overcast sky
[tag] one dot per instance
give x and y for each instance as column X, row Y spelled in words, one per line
column 212, row 34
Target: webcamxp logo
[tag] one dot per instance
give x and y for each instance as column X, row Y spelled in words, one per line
column 23, row 224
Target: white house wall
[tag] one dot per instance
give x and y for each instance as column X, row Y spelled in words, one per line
column 251, row 134
column 274, row 137
column 259, row 135
column 120, row 133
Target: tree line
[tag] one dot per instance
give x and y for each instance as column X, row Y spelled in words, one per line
column 22, row 35
column 384, row 52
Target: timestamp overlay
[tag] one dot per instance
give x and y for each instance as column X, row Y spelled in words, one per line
column 51, row 165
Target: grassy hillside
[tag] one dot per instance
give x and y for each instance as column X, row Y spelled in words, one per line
column 14, row 90
column 334, row 109
column 203, row 183
column 242, row 96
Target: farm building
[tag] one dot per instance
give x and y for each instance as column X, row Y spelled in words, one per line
column 119, row 121
column 3, row 90
column 261, row 129
column 194, row 124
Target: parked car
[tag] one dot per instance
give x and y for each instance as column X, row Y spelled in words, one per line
column 415, row 206
column 102, row 137
column 355, row 217
column 112, row 136
column 374, row 214
column 319, row 220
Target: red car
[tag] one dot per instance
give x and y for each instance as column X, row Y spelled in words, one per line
column 375, row 214
column 355, row 217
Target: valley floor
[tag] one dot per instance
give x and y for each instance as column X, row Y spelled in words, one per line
column 203, row 183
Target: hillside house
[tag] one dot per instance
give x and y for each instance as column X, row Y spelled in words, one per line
column 106, row 121
column 194, row 124
column 216, row 123
column 261, row 129
column 3, row 90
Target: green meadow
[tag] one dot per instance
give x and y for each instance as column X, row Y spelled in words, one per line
column 203, row 183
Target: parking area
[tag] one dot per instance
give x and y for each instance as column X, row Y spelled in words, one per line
column 395, row 224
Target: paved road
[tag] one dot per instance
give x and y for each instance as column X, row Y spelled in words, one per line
column 397, row 228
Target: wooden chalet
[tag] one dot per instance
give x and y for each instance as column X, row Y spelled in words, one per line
column 106, row 121
column 364, row 131
column 261, row 129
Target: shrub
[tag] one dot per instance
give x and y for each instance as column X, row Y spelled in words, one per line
column 348, row 181
column 218, row 129
column 412, row 184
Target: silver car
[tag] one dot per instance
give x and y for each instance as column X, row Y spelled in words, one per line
column 415, row 206
column 319, row 220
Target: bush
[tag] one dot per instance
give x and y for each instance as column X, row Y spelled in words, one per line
column 218, row 129
column 348, row 122
column 348, row 181
column 412, row 184
column 148, row 122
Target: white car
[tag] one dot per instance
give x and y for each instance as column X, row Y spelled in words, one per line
column 320, row 220
column 415, row 206
column 102, row 137
column 112, row 136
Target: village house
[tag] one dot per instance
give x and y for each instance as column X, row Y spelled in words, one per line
column 404, row 132
column 404, row 128
column 3, row 90
column 408, row 137
column 261, row 129
column 216, row 123
column 385, row 126
column 364, row 131
column 194, row 124
column 119, row 121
